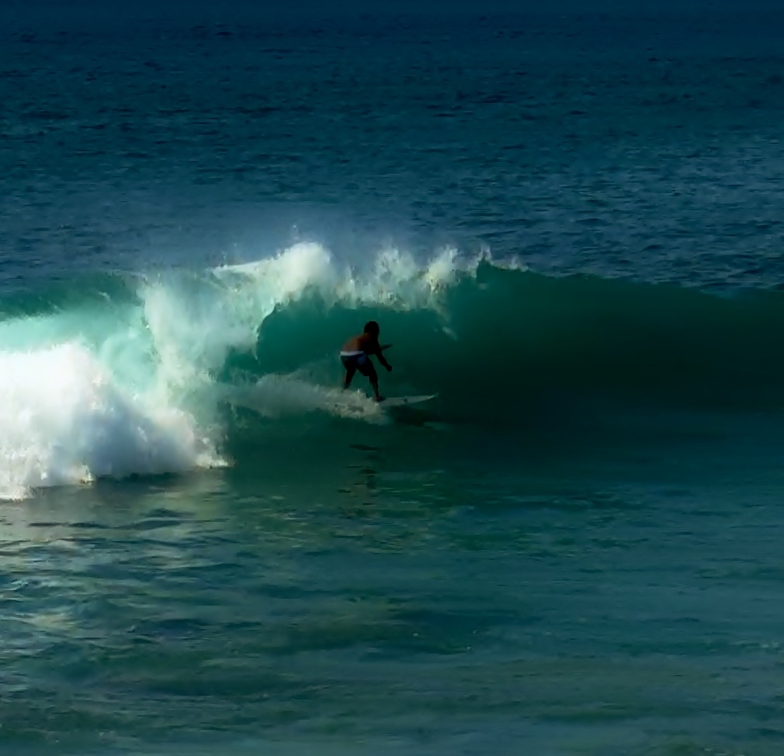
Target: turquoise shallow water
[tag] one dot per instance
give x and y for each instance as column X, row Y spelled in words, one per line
column 568, row 224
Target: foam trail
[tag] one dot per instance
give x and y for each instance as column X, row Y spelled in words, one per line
column 63, row 420
column 276, row 396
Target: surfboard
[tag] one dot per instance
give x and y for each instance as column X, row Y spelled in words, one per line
column 404, row 401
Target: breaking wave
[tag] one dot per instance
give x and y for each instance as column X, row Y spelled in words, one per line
column 136, row 376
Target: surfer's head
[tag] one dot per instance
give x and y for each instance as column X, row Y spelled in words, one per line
column 372, row 328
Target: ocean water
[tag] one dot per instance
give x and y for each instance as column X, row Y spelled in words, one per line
column 567, row 222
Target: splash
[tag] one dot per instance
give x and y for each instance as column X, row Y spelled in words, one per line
column 64, row 420
column 280, row 396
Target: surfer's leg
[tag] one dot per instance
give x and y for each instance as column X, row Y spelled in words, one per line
column 367, row 368
column 351, row 369
column 349, row 376
column 374, row 384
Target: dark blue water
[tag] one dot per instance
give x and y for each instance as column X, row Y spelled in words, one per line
column 567, row 222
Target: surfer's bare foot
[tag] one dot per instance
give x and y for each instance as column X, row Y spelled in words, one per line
column 380, row 398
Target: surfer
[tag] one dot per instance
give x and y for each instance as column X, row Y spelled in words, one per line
column 356, row 354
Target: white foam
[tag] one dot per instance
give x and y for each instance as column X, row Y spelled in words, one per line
column 276, row 396
column 63, row 420
column 392, row 278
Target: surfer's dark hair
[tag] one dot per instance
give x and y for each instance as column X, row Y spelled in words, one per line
column 372, row 327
